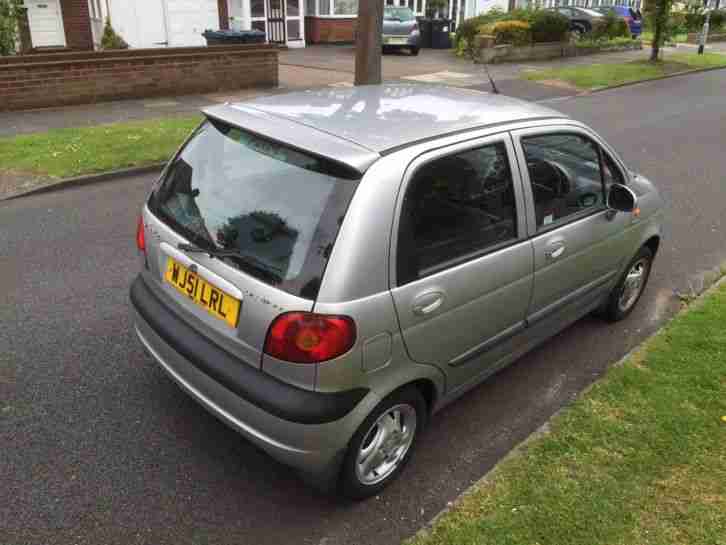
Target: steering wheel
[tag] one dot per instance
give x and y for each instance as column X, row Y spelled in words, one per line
column 586, row 200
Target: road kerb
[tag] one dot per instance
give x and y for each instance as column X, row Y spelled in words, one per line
column 89, row 179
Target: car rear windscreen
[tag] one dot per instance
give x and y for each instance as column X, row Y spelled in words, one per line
column 398, row 14
column 267, row 209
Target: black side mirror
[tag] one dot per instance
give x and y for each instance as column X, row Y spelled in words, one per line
column 622, row 198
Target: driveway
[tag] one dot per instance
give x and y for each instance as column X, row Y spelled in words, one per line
column 100, row 447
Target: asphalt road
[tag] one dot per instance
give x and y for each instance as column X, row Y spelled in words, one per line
column 97, row 446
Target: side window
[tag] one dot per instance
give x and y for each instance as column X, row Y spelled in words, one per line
column 455, row 208
column 564, row 170
column 610, row 171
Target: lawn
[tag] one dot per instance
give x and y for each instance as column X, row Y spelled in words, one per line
column 647, row 37
column 594, row 76
column 62, row 153
column 638, row 459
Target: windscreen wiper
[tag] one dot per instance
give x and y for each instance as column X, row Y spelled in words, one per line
column 260, row 266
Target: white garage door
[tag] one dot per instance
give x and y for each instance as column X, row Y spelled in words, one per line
column 46, row 23
column 188, row 19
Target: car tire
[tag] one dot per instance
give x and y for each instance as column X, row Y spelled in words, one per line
column 627, row 292
column 414, row 51
column 382, row 439
column 386, row 50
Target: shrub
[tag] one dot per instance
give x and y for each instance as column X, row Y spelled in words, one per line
column 718, row 19
column 548, row 26
column 470, row 28
column 695, row 17
column 512, row 32
column 611, row 26
column 9, row 13
column 677, row 23
column 110, row 39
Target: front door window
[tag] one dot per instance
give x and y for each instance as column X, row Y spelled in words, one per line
column 564, row 172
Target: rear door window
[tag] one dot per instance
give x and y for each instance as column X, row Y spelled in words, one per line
column 456, row 208
column 275, row 211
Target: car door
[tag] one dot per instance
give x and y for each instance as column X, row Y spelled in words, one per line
column 578, row 243
column 461, row 262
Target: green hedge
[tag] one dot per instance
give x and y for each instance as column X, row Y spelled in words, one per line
column 545, row 25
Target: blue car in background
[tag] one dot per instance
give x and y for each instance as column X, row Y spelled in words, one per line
column 631, row 16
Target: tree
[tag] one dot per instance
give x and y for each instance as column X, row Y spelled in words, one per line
column 659, row 15
column 368, row 42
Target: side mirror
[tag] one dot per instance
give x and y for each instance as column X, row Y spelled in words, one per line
column 622, row 199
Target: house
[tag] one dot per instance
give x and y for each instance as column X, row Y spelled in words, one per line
column 78, row 24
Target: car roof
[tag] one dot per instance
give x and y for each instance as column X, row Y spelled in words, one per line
column 375, row 118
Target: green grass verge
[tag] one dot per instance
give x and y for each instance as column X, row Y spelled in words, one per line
column 62, row 153
column 640, row 458
column 647, row 36
column 605, row 75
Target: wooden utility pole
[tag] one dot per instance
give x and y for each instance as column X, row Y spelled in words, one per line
column 368, row 42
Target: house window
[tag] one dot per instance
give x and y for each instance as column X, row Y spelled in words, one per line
column 345, row 7
column 325, row 7
column 310, row 7
column 257, row 8
column 293, row 29
column 95, row 9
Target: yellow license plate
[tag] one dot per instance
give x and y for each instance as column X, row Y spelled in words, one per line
column 212, row 299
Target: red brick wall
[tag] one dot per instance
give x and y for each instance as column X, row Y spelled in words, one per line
column 319, row 30
column 77, row 24
column 223, row 14
column 62, row 79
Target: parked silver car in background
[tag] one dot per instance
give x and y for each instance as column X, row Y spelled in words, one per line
column 400, row 30
column 323, row 270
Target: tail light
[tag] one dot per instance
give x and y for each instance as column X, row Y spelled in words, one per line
column 140, row 235
column 304, row 337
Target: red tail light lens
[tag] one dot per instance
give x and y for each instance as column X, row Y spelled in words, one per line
column 140, row 236
column 304, row 337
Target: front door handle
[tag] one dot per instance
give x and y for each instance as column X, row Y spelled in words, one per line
column 427, row 303
column 555, row 251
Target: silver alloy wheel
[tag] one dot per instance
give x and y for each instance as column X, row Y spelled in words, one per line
column 633, row 285
column 385, row 444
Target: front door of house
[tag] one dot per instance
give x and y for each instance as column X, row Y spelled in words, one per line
column 46, row 23
column 276, row 31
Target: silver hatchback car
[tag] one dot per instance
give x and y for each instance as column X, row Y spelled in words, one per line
column 323, row 270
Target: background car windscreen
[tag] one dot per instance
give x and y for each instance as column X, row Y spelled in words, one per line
column 275, row 209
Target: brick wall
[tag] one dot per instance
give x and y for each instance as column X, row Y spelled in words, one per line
column 61, row 79
column 77, row 24
column 320, row 30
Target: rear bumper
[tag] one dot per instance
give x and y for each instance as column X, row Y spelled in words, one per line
column 411, row 40
column 314, row 445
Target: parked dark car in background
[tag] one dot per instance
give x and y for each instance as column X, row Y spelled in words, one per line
column 581, row 19
column 400, row 30
column 632, row 17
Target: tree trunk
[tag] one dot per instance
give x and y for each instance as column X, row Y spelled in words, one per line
column 368, row 42
column 661, row 12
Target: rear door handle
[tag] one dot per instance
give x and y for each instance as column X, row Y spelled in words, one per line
column 427, row 303
column 555, row 251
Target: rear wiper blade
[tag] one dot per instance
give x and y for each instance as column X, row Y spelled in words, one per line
column 271, row 272
column 211, row 252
